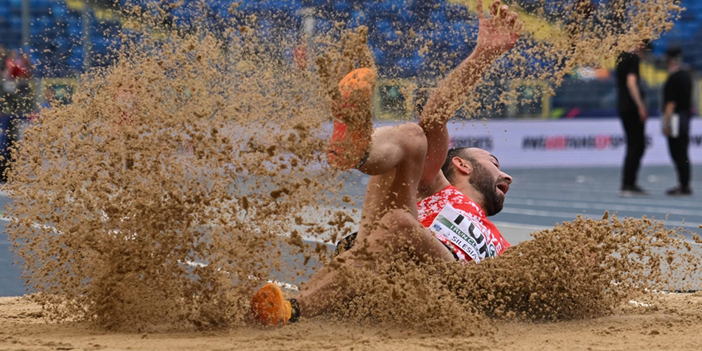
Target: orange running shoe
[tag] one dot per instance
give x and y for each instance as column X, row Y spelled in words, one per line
column 353, row 120
column 269, row 307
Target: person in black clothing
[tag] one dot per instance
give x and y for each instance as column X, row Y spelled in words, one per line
column 677, row 94
column 633, row 113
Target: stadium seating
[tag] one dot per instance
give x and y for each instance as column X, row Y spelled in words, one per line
column 56, row 36
column 57, row 31
column 448, row 26
column 409, row 38
column 686, row 34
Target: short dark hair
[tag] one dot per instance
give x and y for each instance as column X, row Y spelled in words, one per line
column 673, row 53
column 448, row 168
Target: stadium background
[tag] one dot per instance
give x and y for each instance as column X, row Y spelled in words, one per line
column 564, row 150
column 64, row 38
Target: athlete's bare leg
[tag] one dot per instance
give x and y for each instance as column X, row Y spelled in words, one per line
column 394, row 158
column 389, row 225
column 389, row 218
column 396, row 163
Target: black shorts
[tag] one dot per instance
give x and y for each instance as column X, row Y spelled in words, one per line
column 349, row 241
column 345, row 244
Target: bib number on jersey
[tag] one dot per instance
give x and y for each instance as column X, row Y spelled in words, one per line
column 460, row 231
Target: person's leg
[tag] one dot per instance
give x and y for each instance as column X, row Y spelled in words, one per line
column 395, row 163
column 635, row 146
column 394, row 158
column 639, row 147
column 389, row 218
column 389, row 224
column 684, row 168
column 626, row 173
column 348, row 78
column 673, row 150
column 678, row 152
column 398, row 231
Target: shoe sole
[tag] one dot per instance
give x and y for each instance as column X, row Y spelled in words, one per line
column 269, row 307
column 351, row 135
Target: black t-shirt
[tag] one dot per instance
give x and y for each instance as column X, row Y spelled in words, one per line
column 678, row 89
column 627, row 63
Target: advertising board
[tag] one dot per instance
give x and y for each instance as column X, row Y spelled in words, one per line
column 566, row 143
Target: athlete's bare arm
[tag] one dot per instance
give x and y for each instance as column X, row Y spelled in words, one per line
column 496, row 35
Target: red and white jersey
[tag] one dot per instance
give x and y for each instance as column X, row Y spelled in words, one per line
column 461, row 225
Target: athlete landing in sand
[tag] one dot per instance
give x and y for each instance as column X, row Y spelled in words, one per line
column 408, row 162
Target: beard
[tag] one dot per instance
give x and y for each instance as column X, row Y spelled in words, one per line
column 482, row 180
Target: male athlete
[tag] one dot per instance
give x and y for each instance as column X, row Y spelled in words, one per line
column 406, row 162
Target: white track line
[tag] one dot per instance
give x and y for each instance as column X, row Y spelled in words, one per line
column 621, row 201
column 572, row 215
column 533, row 228
column 595, row 206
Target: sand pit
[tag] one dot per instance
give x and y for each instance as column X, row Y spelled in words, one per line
column 673, row 323
column 213, row 150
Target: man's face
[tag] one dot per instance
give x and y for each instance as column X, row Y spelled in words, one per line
column 490, row 181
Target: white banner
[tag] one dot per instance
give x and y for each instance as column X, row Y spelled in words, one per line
column 566, row 143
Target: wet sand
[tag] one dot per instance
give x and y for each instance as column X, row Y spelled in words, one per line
column 674, row 323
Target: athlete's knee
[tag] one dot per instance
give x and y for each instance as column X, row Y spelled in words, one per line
column 413, row 141
column 402, row 228
column 398, row 220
